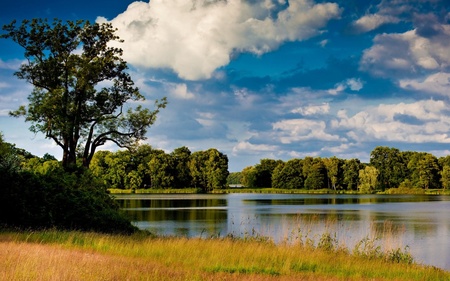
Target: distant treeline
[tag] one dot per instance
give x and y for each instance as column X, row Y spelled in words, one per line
column 388, row 168
column 146, row 167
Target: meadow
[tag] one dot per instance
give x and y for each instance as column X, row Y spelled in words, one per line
column 60, row 255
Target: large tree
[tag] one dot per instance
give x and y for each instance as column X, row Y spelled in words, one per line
column 390, row 165
column 81, row 87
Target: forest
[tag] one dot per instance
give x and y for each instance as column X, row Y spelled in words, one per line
column 388, row 168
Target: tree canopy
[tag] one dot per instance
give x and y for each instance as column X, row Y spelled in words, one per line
column 80, row 87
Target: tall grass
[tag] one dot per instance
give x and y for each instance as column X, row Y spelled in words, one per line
column 55, row 255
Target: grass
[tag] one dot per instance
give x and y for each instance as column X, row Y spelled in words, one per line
column 400, row 190
column 155, row 191
column 223, row 191
column 56, row 255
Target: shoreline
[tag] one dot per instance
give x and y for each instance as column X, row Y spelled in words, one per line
column 396, row 191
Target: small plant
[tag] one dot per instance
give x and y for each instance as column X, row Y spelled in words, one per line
column 367, row 248
column 400, row 256
column 328, row 242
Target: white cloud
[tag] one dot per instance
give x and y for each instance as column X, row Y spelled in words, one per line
column 245, row 98
column 438, row 83
column 355, row 84
column 181, row 91
column 4, row 112
column 248, row 147
column 239, row 131
column 293, row 130
column 11, row 64
column 195, row 38
column 323, row 43
column 418, row 122
column 206, row 119
column 339, row 88
column 406, row 54
column 324, row 108
column 372, row 21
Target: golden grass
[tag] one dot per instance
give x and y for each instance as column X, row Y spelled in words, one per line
column 53, row 255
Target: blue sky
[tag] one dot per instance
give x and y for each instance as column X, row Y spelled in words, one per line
column 269, row 78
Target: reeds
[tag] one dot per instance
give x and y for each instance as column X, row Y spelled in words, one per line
column 56, row 255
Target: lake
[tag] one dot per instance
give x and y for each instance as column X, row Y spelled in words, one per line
column 421, row 223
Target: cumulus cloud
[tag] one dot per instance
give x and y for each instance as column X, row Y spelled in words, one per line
column 406, row 54
column 193, row 38
column 372, row 21
column 293, row 130
column 418, row 122
column 437, row 83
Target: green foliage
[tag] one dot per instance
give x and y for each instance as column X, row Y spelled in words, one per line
column 288, row 175
column 368, row 248
column 400, row 256
column 249, row 176
column 58, row 200
column 334, row 168
column 445, row 177
column 316, row 174
column 10, row 161
column 145, row 167
column 264, row 171
column 428, row 172
column 351, row 174
column 40, row 194
column 368, row 179
column 209, row 169
column 328, row 242
column 67, row 63
column 161, row 168
column 391, row 166
column 234, row 178
column 181, row 158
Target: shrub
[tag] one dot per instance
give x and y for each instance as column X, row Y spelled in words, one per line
column 69, row 201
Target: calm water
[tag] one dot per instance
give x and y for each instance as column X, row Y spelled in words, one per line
column 420, row 222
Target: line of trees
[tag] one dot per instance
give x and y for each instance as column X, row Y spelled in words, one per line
column 146, row 167
column 388, row 168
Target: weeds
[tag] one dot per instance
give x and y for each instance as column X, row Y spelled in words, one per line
column 367, row 248
column 400, row 256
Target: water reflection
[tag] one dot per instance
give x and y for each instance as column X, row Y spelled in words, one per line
column 420, row 222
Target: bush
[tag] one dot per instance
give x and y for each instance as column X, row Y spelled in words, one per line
column 66, row 201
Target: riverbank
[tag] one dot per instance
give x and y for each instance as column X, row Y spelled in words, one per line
column 54, row 255
column 412, row 191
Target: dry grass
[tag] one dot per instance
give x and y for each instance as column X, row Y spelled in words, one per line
column 81, row 256
column 24, row 261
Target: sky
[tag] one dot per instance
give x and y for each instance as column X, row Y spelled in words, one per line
column 274, row 79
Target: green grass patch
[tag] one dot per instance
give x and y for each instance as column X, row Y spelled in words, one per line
column 155, row 191
column 400, row 190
